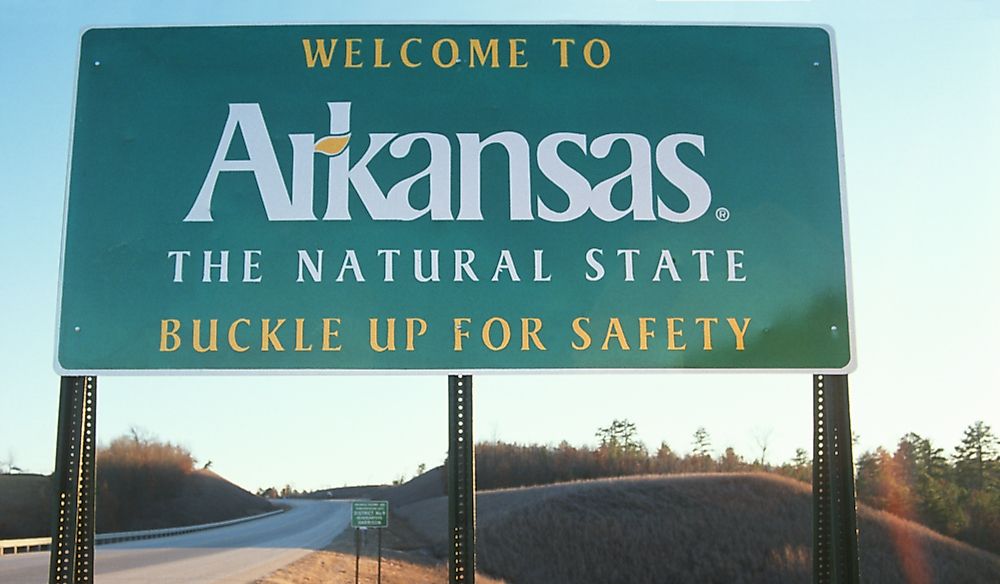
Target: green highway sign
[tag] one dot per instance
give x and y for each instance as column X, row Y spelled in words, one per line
column 455, row 198
column 366, row 514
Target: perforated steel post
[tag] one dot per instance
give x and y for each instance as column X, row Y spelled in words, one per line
column 71, row 559
column 835, row 523
column 461, row 482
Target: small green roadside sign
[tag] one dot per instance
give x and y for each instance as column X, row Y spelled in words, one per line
column 366, row 514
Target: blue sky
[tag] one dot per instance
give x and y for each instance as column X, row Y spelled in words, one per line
column 920, row 95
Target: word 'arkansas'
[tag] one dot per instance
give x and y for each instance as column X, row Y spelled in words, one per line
column 495, row 333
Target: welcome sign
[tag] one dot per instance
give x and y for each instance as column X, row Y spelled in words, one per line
column 455, row 198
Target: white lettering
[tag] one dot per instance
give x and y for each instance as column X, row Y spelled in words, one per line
column 595, row 264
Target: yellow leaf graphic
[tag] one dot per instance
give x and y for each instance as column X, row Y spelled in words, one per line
column 332, row 145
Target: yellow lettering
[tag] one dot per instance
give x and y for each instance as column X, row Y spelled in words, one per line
column 213, row 334
column 644, row 333
column 300, row 336
column 233, row 344
column 329, row 332
column 320, row 52
column 379, row 64
column 563, row 50
column 584, row 336
column 673, row 334
column 390, row 335
column 404, row 54
column 531, row 334
column 269, row 336
column 589, row 57
column 410, row 336
column 516, row 52
column 350, row 52
column 707, row 324
column 615, row 330
column 168, row 332
column 504, row 330
column 436, row 53
column 739, row 332
column 476, row 52
column 460, row 333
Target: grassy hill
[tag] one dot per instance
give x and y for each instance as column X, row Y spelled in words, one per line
column 142, row 483
column 726, row 528
column 200, row 496
column 426, row 486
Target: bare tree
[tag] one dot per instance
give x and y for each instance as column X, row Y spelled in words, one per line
column 140, row 435
column 762, row 437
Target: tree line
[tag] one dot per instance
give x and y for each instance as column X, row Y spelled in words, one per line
column 619, row 453
column 958, row 495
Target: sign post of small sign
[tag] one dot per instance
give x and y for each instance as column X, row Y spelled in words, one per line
column 365, row 515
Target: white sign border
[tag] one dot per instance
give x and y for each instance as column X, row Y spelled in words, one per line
column 848, row 368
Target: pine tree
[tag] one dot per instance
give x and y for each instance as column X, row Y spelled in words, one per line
column 977, row 462
column 620, row 450
column 925, row 472
column 666, row 461
column 702, row 442
column 799, row 467
column 700, row 459
column 620, row 437
column 881, row 484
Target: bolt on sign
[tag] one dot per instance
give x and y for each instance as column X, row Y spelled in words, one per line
column 455, row 198
column 366, row 514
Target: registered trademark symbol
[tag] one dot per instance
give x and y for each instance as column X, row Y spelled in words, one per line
column 722, row 214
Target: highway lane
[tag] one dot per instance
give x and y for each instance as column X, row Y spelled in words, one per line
column 228, row 555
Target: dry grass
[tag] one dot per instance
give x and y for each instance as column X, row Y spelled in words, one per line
column 203, row 497
column 145, row 483
column 332, row 567
column 198, row 496
column 403, row 562
column 430, row 484
column 132, row 472
column 729, row 529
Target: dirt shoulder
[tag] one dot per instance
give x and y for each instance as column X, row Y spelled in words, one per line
column 405, row 560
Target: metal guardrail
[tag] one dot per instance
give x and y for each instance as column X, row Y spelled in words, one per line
column 18, row 546
column 36, row 544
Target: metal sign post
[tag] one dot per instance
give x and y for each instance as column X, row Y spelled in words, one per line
column 835, row 522
column 71, row 559
column 741, row 298
column 357, row 555
column 461, row 482
column 365, row 515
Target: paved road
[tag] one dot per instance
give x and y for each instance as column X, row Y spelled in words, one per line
column 236, row 554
